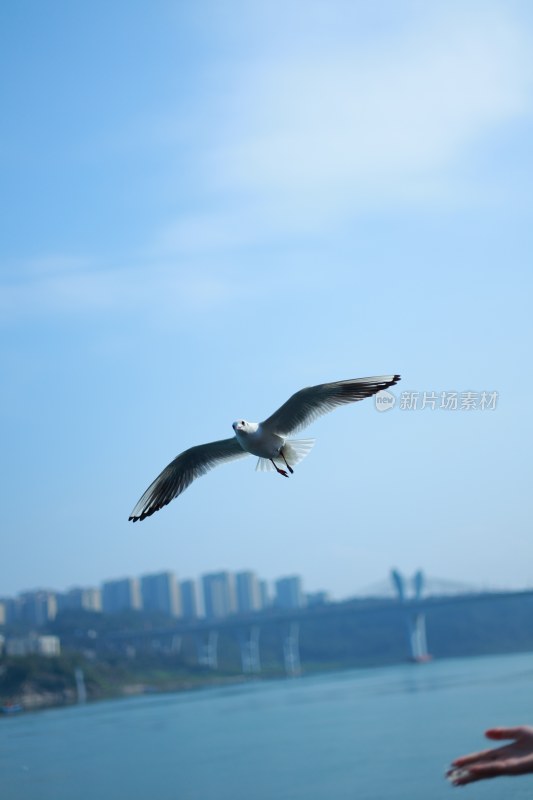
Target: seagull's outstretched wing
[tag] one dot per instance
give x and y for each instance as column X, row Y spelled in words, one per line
column 181, row 472
column 308, row 404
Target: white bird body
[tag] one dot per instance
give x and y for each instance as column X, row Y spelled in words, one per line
column 258, row 440
column 268, row 440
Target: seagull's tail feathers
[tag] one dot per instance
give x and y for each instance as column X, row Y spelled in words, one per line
column 295, row 451
column 263, row 465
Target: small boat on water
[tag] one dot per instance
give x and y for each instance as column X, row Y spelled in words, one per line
column 422, row 659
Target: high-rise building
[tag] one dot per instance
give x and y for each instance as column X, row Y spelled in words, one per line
column 289, row 593
column 13, row 607
column 38, row 607
column 121, row 595
column 219, row 594
column 190, row 600
column 248, row 592
column 266, row 600
column 160, row 592
column 88, row 599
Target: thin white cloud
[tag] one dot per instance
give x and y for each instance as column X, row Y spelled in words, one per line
column 359, row 121
column 152, row 289
column 233, row 228
column 305, row 139
column 308, row 137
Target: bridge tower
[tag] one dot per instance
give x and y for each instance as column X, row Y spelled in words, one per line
column 81, row 689
column 249, row 644
column 417, row 637
column 415, row 617
column 419, row 583
column 207, row 648
column 398, row 581
column 291, row 650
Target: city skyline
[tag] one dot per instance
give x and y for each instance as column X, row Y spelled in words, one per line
column 371, row 584
column 210, row 596
column 221, row 593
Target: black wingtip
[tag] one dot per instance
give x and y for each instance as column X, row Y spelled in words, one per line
column 144, row 514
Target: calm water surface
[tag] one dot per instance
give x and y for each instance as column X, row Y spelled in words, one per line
column 366, row 734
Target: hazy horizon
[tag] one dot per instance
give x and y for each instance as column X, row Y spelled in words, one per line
column 382, row 586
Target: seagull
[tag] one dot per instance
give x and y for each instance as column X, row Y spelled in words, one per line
column 268, row 440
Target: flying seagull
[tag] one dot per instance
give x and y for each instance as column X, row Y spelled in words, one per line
column 267, row 440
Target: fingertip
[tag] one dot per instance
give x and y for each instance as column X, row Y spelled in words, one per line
column 458, row 777
column 499, row 733
column 463, row 761
column 506, row 733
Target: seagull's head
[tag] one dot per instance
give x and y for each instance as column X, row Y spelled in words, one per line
column 241, row 426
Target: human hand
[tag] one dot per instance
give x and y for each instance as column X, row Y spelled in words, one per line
column 511, row 759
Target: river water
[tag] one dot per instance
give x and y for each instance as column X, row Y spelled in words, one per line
column 370, row 734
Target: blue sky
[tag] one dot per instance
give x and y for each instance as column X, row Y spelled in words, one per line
column 207, row 206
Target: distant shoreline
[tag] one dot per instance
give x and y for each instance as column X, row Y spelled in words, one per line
column 34, row 700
